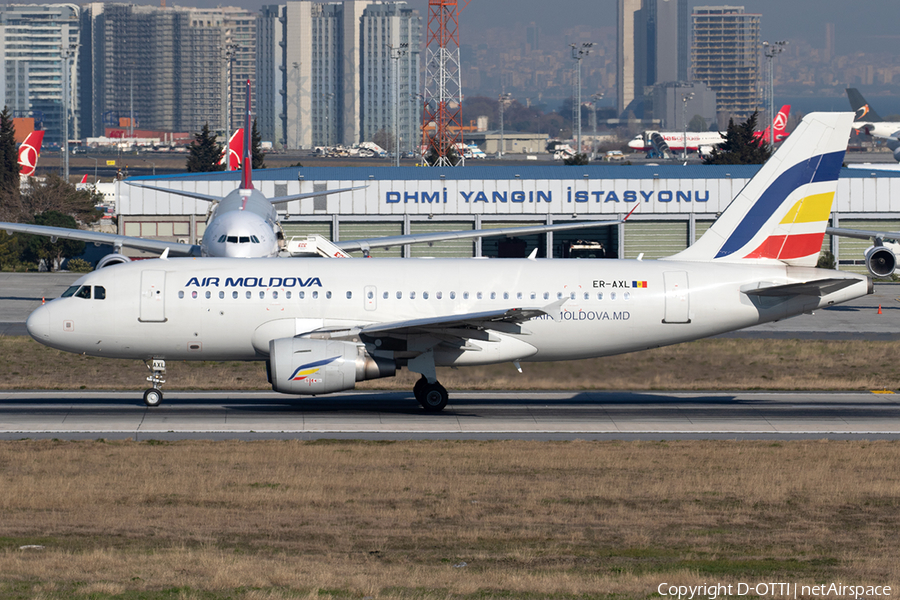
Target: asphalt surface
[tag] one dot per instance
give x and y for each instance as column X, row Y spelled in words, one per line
column 470, row 415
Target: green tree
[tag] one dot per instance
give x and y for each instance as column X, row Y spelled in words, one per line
column 40, row 248
column 259, row 158
column 56, row 195
column 697, row 123
column 205, row 152
column 431, row 156
column 9, row 167
column 577, row 160
column 739, row 147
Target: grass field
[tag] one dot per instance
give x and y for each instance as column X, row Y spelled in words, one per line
column 476, row 520
column 712, row 364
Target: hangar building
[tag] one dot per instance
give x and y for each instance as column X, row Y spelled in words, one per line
column 675, row 205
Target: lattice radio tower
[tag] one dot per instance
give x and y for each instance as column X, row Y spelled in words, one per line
column 442, row 126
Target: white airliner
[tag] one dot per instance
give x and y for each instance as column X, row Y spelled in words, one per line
column 870, row 122
column 323, row 325
column 882, row 256
column 244, row 224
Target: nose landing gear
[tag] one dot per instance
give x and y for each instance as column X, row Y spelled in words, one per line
column 154, row 396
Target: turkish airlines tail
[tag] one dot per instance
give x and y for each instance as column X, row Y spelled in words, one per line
column 235, row 148
column 84, row 179
column 247, row 161
column 780, row 125
column 782, row 213
column 29, row 152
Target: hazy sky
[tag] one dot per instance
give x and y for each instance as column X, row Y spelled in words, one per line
column 868, row 25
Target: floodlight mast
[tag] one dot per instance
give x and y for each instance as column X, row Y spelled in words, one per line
column 442, row 126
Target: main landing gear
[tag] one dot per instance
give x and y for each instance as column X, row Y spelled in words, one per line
column 154, row 396
column 432, row 396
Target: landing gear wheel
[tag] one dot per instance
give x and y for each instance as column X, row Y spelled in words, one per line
column 419, row 390
column 434, row 397
column 153, row 397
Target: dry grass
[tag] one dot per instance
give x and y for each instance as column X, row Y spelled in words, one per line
column 718, row 364
column 396, row 520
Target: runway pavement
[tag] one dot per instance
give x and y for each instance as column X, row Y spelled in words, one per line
column 470, row 415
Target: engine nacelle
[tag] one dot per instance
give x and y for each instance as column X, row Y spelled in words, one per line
column 880, row 261
column 309, row 367
column 111, row 259
column 897, row 153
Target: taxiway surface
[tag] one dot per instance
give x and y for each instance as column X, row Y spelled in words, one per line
column 470, row 415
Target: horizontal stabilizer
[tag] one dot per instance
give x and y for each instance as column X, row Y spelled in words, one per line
column 818, row 288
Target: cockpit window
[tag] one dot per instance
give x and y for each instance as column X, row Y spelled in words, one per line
column 254, row 239
column 99, row 292
column 245, row 239
column 84, row 292
column 222, row 238
column 232, row 239
column 70, row 291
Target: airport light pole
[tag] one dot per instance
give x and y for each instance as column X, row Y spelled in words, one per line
column 296, row 66
column 579, row 52
column 684, row 101
column 230, row 51
column 771, row 51
column 95, row 169
column 328, row 97
column 67, row 53
column 396, row 54
column 595, row 99
column 504, row 98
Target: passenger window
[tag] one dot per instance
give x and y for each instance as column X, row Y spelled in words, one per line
column 546, row 295
column 350, row 295
column 612, row 295
column 249, row 295
column 478, row 296
column 425, row 295
column 493, row 295
column 99, row 292
column 275, row 295
column 370, row 295
column 534, row 295
column 221, row 295
column 234, row 295
column 399, row 295
column 439, row 295
column 208, row 294
column 506, row 295
column 559, row 295
column 328, row 295
column 465, row 295
column 180, row 294
column 301, row 295
column 315, row 295
column 412, row 295
column 385, row 295
column 587, row 296
column 599, row 295
column 262, row 295
column 627, row 295
column 194, row 294
column 287, row 294
column 572, row 296
column 453, row 295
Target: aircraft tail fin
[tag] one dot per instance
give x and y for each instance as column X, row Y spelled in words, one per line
column 782, row 213
column 779, row 125
column 30, row 152
column 84, row 179
column 863, row 111
column 232, row 157
column 247, row 160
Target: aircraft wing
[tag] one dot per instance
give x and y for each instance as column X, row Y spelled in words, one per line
column 96, row 237
column 285, row 199
column 863, row 234
column 184, row 193
column 428, row 238
column 275, row 201
column 819, row 288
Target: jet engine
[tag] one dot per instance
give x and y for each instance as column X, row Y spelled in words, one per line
column 309, row 367
column 897, row 153
column 111, row 259
column 880, row 261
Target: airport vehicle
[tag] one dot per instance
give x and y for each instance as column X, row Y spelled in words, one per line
column 30, row 152
column 614, row 155
column 663, row 143
column 870, row 122
column 321, row 326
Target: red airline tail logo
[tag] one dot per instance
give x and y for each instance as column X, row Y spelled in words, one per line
column 235, row 148
column 84, row 179
column 29, row 152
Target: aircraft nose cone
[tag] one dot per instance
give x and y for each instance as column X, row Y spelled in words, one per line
column 38, row 324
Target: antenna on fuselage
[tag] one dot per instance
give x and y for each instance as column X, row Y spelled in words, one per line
column 247, row 161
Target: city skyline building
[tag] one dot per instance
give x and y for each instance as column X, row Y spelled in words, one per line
column 38, row 37
column 725, row 56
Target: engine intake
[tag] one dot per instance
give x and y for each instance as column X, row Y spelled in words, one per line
column 111, row 259
column 880, row 261
column 309, row 367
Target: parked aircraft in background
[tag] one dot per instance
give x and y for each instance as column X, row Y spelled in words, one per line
column 870, row 122
column 665, row 143
column 244, row 224
column 30, row 152
column 321, row 326
column 882, row 256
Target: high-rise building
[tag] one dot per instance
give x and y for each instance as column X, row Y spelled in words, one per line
column 326, row 51
column 725, row 56
column 240, row 45
column 165, row 66
column 652, row 46
column 43, row 39
column 14, row 89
